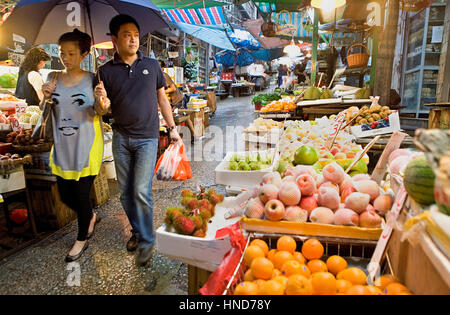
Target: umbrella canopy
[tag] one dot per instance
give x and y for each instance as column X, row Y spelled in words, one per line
column 241, row 57
column 43, row 21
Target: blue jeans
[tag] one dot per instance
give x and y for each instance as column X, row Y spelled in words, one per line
column 135, row 161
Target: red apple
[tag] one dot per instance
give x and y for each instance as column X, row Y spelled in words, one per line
column 274, row 210
column 369, row 219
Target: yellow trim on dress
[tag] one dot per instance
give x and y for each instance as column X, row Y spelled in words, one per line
column 95, row 157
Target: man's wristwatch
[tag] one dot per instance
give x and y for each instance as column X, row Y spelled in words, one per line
column 171, row 128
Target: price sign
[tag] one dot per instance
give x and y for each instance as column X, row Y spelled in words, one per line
column 21, row 108
column 374, row 265
column 15, row 125
column 338, row 122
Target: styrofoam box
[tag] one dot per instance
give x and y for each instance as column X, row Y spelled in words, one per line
column 394, row 122
column 243, row 179
column 206, row 253
column 270, row 137
column 13, row 180
column 5, row 105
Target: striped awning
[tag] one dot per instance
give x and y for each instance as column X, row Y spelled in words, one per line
column 204, row 16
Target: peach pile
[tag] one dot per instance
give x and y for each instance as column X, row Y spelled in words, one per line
column 332, row 197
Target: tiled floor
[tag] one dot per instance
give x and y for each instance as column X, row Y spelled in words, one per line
column 106, row 267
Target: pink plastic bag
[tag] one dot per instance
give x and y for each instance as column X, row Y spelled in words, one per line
column 220, row 278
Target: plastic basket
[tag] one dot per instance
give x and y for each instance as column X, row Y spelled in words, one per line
column 357, row 253
column 359, row 59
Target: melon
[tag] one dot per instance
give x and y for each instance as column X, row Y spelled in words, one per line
column 419, row 181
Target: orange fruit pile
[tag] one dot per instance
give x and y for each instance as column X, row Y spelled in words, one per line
column 279, row 106
column 286, row 271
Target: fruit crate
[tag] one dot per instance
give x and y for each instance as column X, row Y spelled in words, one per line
column 356, row 252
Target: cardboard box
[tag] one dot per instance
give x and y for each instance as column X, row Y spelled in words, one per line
column 243, row 179
column 12, row 180
column 198, row 121
column 206, row 253
column 373, row 129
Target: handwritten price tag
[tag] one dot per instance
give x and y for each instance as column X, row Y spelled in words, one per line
column 15, row 125
column 338, row 122
column 374, row 265
column 21, row 108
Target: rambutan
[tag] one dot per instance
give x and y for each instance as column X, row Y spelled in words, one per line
column 198, row 221
column 193, row 204
column 205, row 214
column 199, row 233
column 184, row 225
column 186, row 199
column 187, row 193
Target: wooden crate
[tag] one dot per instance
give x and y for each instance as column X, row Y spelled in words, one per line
column 50, row 211
column 422, row 267
column 100, row 189
column 197, row 278
column 439, row 117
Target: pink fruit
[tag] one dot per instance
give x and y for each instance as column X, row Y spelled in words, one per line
column 274, row 210
column 346, row 217
column 370, row 219
column 296, row 214
column 399, row 164
column 383, row 204
column 329, row 198
column 308, row 203
column 347, row 191
column 320, row 180
column 289, row 194
column 330, row 185
column 395, row 154
column 359, row 177
column 306, row 184
column 268, row 192
column 369, row 187
column 273, row 178
column 255, row 209
column 288, row 179
column 334, row 173
column 322, row 215
column 348, row 181
column 300, row 170
column 334, row 151
column 357, row 202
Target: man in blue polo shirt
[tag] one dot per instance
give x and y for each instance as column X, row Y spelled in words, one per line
column 134, row 86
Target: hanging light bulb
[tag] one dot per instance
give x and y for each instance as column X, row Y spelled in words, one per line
column 292, row 50
column 328, row 4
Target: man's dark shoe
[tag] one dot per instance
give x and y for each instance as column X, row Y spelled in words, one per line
column 144, row 255
column 133, row 243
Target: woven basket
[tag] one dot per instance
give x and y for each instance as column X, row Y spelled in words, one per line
column 269, row 28
column 359, row 59
column 35, row 148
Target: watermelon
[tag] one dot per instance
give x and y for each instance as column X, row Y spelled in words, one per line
column 419, row 181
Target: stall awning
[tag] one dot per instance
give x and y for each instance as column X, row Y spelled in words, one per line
column 268, row 6
column 215, row 36
column 202, row 16
column 187, row 4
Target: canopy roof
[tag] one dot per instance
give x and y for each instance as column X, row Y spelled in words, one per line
column 187, row 4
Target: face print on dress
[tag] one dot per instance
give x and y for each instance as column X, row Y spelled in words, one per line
column 72, row 114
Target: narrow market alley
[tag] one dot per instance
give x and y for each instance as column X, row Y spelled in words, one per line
column 106, row 267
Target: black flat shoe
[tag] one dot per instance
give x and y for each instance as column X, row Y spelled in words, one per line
column 97, row 220
column 70, row 258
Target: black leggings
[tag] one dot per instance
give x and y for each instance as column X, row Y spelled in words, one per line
column 76, row 195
